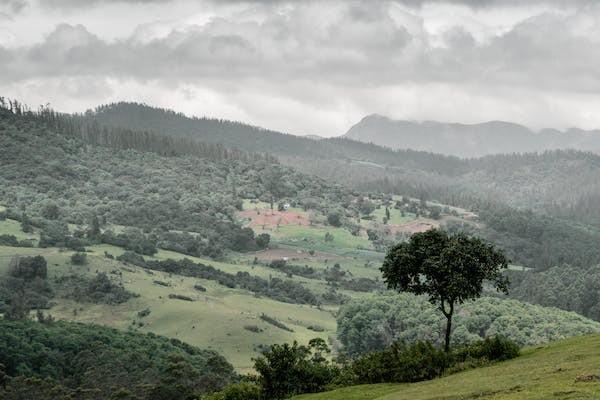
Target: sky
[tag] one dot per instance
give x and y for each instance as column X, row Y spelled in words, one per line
column 310, row 67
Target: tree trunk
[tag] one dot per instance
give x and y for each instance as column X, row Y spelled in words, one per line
column 448, row 330
column 448, row 315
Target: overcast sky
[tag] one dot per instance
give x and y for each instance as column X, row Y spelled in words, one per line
column 310, row 67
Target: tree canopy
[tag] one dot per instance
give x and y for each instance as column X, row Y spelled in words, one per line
column 450, row 269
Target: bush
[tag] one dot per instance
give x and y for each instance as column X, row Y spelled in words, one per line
column 144, row 313
column 237, row 391
column 253, row 328
column 99, row 289
column 401, row 363
column 286, row 370
column 263, row 240
column 29, row 268
column 79, row 259
column 495, row 348
column 199, row 287
column 334, row 219
column 180, row 297
column 276, row 323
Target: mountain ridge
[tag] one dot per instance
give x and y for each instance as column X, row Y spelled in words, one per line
column 469, row 140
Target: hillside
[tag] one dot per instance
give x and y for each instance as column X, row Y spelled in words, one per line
column 560, row 183
column 56, row 359
column 125, row 198
column 193, row 197
column 561, row 370
column 468, row 140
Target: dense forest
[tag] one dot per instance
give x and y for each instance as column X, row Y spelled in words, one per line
column 371, row 324
column 52, row 359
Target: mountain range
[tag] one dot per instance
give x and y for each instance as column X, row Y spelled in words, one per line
column 469, row 140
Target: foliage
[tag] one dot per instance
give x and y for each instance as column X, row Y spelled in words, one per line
column 25, row 288
column 79, row 258
column 237, row 391
column 84, row 358
column 496, row 348
column 285, row 370
column 448, row 269
column 274, row 322
column 366, row 325
column 565, row 287
column 99, row 290
column 133, row 179
column 11, row 240
column 401, row 363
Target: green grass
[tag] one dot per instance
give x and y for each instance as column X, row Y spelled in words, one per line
column 311, row 237
column 396, row 217
column 215, row 320
column 12, row 227
column 546, row 372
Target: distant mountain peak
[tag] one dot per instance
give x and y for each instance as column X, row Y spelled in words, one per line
column 468, row 140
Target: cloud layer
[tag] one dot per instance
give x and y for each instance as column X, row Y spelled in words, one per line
column 274, row 62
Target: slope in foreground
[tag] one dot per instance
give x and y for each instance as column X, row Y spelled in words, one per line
column 569, row 369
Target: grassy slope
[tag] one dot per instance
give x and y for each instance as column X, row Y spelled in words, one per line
column 12, row 227
column 215, row 320
column 546, row 372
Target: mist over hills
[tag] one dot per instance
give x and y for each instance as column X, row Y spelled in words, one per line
column 469, row 140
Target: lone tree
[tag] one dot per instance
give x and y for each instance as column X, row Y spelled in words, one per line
column 450, row 269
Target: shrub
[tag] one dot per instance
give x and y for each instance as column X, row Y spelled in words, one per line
column 180, row 297
column 29, row 268
column 274, row 322
column 79, row 259
column 495, row 348
column 237, row 391
column 99, row 289
column 315, row 328
column 285, row 370
column 334, row 219
column 401, row 363
column 199, row 288
column 277, row 264
column 263, row 240
column 253, row 328
column 144, row 313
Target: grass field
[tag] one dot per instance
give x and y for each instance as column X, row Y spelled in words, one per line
column 219, row 317
column 215, row 320
column 546, row 372
column 12, row 227
column 396, row 217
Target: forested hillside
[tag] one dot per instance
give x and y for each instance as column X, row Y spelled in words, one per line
column 65, row 178
column 54, row 359
column 560, row 183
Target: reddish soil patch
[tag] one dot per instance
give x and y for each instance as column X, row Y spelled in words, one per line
column 293, row 255
column 273, row 218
